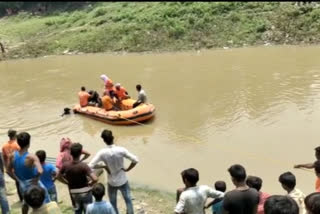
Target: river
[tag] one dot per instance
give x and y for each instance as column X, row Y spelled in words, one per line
column 258, row 107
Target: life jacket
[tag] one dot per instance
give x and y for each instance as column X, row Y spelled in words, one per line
column 107, row 102
column 121, row 93
column 109, row 84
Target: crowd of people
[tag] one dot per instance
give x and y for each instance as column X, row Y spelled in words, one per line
column 111, row 97
column 35, row 182
column 247, row 197
column 35, row 178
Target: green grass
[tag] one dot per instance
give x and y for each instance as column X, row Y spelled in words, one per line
column 145, row 200
column 160, row 26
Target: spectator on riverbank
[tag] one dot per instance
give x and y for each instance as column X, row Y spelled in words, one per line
column 288, row 182
column 65, row 156
column 279, row 204
column 3, row 197
column 113, row 158
column 26, row 168
column 8, row 150
column 256, row 183
column 180, row 190
column 311, row 166
column 317, row 172
column 34, row 197
column 312, row 203
column 216, row 204
column 75, row 174
column 193, row 199
column 243, row 199
column 48, row 176
column 99, row 206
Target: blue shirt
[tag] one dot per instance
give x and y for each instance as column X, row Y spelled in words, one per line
column 46, row 177
column 20, row 169
column 217, row 207
column 100, row 207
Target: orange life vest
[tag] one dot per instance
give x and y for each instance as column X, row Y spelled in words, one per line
column 109, row 84
column 121, row 93
column 107, row 102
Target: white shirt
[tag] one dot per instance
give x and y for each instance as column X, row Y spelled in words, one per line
column 113, row 157
column 298, row 196
column 192, row 200
column 142, row 96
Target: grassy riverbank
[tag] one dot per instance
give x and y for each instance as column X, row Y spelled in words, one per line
column 159, row 26
column 145, row 200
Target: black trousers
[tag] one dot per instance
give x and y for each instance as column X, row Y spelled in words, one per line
column 136, row 104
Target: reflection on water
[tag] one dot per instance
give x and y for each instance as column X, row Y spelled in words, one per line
column 254, row 106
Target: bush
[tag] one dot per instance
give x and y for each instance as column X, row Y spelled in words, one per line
column 100, row 11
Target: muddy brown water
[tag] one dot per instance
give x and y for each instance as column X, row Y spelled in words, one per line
column 258, row 107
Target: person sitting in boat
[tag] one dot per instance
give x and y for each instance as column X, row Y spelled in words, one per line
column 94, row 99
column 108, row 101
column 142, row 96
column 83, row 97
column 121, row 92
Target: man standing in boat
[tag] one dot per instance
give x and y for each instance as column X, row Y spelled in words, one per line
column 142, row 96
column 113, row 157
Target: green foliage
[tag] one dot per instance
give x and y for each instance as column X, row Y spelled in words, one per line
column 145, row 26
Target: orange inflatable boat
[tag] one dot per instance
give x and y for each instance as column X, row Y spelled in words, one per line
column 126, row 116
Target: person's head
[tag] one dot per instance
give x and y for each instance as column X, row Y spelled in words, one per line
column 237, row 173
column 138, row 87
column 65, row 144
column 288, row 181
column 98, row 191
column 83, row 88
column 75, row 150
column 190, row 176
column 107, row 136
column 317, row 168
column 312, row 203
column 118, row 86
column 279, row 204
column 23, row 140
column 41, row 154
column 12, row 134
column 220, row 186
column 254, row 182
column 317, row 152
column 90, row 92
column 34, row 196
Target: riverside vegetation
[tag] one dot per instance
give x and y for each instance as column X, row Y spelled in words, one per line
column 157, row 26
